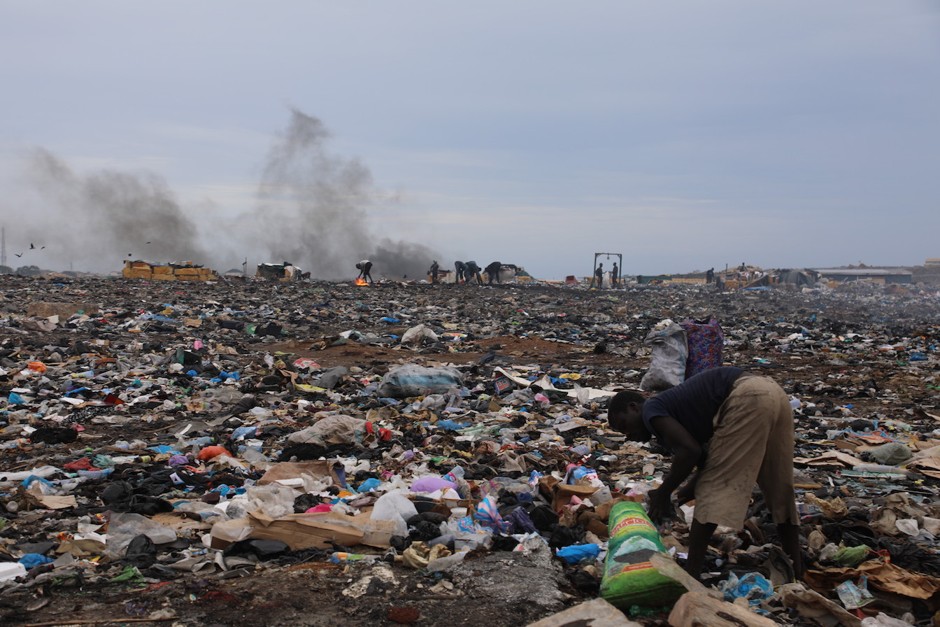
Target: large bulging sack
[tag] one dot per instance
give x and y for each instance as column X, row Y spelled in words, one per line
column 669, row 355
column 705, row 342
column 629, row 577
column 413, row 380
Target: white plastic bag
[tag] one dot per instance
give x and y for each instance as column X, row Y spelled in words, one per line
column 122, row 528
column 272, row 500
column 397, row 507
column 417, row 335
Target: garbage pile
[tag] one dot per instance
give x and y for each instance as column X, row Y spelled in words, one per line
column 436, row 453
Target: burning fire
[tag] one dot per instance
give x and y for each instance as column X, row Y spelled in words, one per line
column 361, row 281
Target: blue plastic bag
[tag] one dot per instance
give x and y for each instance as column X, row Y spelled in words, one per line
column 32, row 560
column 577, row 553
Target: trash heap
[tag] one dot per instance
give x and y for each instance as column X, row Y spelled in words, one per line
column 438, row 453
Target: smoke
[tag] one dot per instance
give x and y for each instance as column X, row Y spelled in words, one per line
column 98, row 220
column 314, row 209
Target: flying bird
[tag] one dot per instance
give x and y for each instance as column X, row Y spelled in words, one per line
column 18, row 254
column 32, row 246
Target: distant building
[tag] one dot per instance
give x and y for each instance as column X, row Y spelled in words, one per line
column 884, row 276
column 933, row 262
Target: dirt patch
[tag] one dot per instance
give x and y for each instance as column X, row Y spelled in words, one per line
column 513, row 350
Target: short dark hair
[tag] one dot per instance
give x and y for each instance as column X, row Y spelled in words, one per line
column 621, row 399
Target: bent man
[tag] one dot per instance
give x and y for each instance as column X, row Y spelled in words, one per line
column 492, row 272
column 736, row 429
column 472, row 272
column 365, row 270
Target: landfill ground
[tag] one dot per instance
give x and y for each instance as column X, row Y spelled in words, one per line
column 109, row 386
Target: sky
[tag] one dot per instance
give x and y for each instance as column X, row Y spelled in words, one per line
column 684, row 135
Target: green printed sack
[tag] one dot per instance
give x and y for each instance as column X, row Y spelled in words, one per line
column 629, row 577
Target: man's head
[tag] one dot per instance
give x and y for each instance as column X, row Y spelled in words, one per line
column 625, row 414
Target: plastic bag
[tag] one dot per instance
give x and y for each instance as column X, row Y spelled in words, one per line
column 272, row 499
column 883, row 620
column 412, row 380
column 891, row 454
column 122, row 528
column 577, row 553
column 854, row 596
column 431, row 483
column 417, row 335
column 753, row 587
column 669, row 355
column 331, row 429
column 397, row 507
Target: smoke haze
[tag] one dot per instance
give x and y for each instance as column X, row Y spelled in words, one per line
column 312, row 210
column 95, row 221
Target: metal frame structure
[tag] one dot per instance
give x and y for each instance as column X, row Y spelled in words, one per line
column 619, row 257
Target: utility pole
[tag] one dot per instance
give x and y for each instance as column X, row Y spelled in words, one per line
column 3, row 246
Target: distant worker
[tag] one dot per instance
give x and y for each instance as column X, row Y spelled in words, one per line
column 365, row 270
column 460, row 270
column 472, row 271
column 434, row 270
column 492, row 272
column 614, row 275
column 709, row 275
column 598, row 276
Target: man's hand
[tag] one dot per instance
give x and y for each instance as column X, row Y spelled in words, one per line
column 659, row 503
column 687, row 492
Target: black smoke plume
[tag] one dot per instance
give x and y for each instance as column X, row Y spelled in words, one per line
column 97, row 220
column 314, row 209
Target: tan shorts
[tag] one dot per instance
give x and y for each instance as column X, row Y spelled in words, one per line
column 752, row 442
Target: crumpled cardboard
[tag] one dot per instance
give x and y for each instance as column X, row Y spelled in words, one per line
column 881, row 576
column 597, row 613
column 815, row 607
column 305, row 531
column 562, row 493
column 831, row 459
column 699, row 609
column 287, row 472
column 832, row 509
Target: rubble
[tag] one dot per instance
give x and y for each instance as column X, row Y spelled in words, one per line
column 434, row 453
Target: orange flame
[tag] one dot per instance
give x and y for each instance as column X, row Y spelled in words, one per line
column 361, row 281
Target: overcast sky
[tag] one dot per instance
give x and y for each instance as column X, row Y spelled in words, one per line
column 683, row 134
